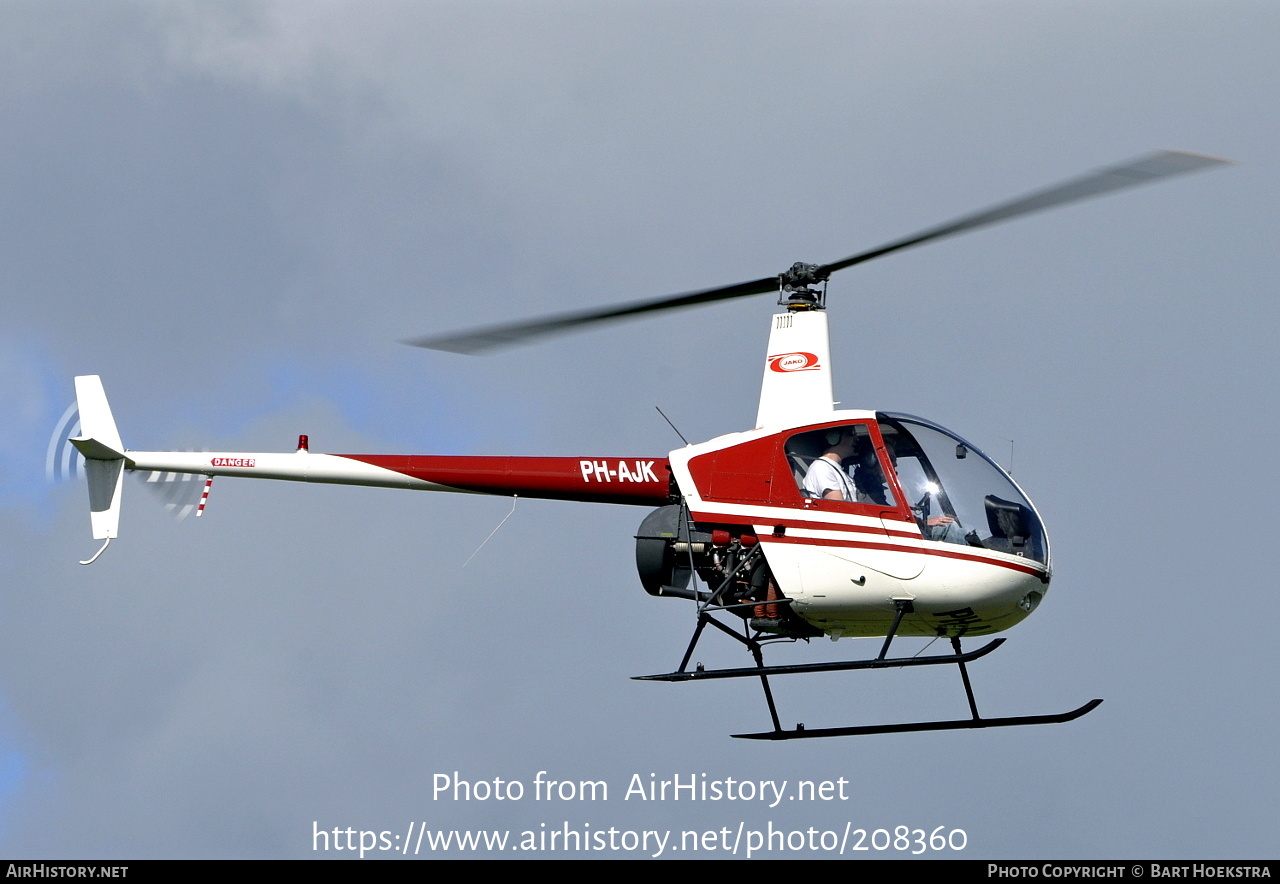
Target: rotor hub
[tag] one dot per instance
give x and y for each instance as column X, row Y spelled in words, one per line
column 797, row 287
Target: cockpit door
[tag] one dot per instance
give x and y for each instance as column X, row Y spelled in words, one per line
column 852, row 503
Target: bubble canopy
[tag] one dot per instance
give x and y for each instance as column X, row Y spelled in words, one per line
column 957, row 493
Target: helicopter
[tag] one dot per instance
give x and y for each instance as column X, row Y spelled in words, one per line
column 816, row 522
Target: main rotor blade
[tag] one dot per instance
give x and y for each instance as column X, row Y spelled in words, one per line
column 1162, row 164
column 511, row 333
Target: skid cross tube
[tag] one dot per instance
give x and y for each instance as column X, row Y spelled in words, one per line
column 964, row 674
column 842, row 666
column 705, row 619
column 901, row 607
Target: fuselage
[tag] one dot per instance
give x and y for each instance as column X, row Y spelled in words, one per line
column 923, row 517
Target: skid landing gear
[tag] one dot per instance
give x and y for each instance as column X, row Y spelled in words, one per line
column 882, row 661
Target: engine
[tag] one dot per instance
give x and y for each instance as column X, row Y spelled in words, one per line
column 728, row 559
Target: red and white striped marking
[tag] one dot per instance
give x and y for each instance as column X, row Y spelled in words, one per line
column 204, row 497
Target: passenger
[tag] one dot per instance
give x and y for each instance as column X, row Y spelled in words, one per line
column 826, row 477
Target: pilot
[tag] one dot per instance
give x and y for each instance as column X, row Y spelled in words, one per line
column 826, row 477
column 944, row 528
column 868, row 478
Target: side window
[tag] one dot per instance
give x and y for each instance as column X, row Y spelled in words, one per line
column 838, row 464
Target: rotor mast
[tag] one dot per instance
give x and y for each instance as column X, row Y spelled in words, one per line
column 796, row 387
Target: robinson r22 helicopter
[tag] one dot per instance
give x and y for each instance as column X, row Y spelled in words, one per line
column 816, row 522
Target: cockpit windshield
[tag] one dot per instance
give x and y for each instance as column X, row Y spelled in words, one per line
column 957, row 493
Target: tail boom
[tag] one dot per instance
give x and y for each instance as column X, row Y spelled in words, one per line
column 639, row 481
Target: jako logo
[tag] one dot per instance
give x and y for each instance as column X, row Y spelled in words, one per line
column 794, row 362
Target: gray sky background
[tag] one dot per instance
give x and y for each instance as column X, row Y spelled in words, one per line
column 232, row 212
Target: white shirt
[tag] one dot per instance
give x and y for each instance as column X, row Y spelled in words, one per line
column 824, row 475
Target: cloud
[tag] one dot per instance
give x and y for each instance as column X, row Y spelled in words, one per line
column 233, row 212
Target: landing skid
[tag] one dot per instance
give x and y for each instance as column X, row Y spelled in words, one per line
column 800, row 733
column 959, row 658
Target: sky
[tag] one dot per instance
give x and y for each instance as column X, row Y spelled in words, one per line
column 234, row 211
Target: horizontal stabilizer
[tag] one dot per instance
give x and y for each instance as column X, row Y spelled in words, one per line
column 92, row 449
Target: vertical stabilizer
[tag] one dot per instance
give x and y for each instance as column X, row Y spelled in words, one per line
column 103, row 452
column 96, row 422
column 105, row 480
column 797, row 370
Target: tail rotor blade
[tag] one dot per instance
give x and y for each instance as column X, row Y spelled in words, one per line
column 179, row 492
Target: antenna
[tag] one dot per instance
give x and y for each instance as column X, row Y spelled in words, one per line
column 673, row 426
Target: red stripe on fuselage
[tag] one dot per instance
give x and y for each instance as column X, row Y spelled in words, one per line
column 931, row 548
column 642, row 481
column 847, row 527
column 793, row 522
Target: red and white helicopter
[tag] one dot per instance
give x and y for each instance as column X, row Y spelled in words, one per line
column 816, row 522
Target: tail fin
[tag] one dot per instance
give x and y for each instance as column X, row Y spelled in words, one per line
column 103, row 451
